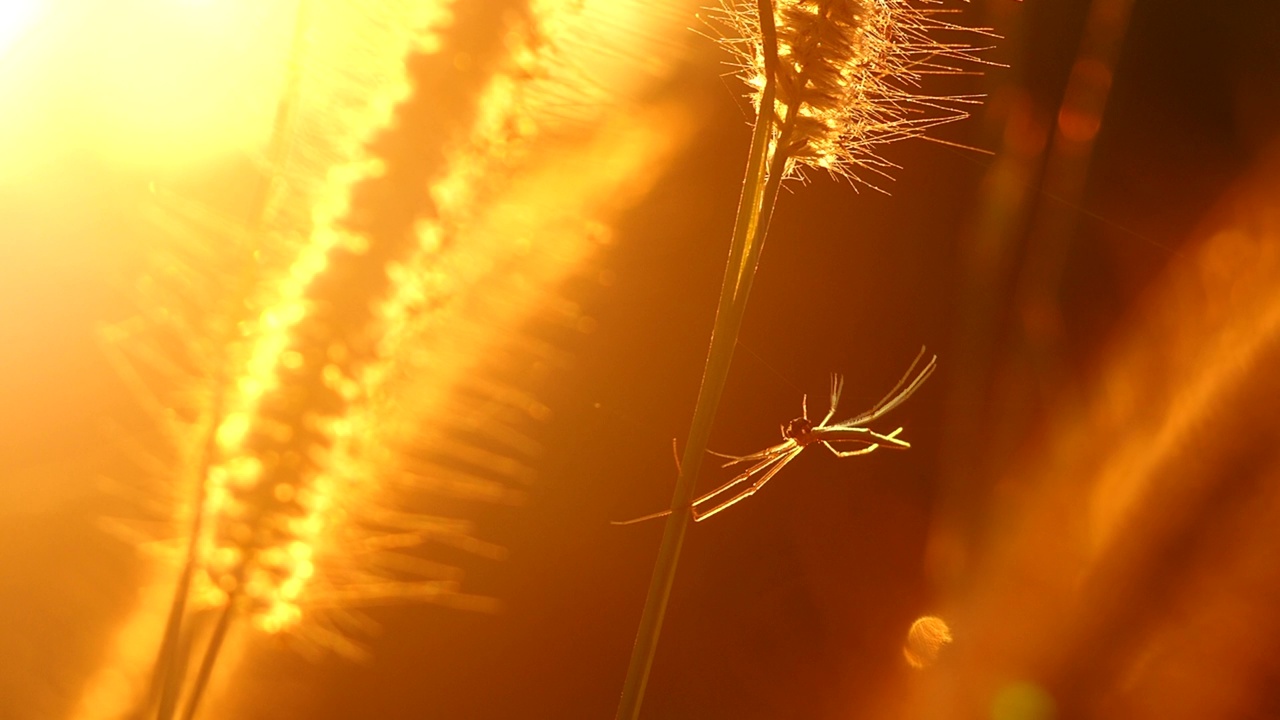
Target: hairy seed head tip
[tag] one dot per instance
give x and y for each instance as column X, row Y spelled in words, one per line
column 848, row 75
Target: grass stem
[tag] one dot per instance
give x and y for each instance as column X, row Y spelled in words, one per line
column 755, row 208
column 201, row 680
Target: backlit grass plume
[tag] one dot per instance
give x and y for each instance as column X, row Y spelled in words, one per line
column 830, row 79
column 846, row 75
column 342, row 380
column 255, row 350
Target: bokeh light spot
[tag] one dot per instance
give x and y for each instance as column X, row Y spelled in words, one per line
column 925, row 640
column 1022, row 701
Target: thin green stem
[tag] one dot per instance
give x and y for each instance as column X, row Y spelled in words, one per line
column 171, row 665
column 755, row 208
column 170, row 669
column 211, row 653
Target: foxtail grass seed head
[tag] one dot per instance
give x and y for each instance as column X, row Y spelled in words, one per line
column 848, row 76
column 332, row 401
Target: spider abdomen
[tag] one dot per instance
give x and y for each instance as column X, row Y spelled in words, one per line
column 800, row 430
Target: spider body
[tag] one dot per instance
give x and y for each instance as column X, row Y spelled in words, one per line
column 800, row 433
column 800, row 430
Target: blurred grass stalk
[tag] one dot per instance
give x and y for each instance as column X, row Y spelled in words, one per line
column 1029, row 202
column 312, row 387
column 1143, row 522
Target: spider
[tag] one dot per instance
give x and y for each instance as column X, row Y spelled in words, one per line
column 800, row 433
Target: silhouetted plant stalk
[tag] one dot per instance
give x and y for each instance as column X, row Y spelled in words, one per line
column 263, row 459
column 831, row 79
column 326, row 367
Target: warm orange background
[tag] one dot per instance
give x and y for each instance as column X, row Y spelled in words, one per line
column 796, row 603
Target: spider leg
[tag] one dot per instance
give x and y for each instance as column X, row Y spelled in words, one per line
column 642, row 518
column 804, row 407
column 836, row 433
column 755, row 486
column 837, row 387
column 850, row 453
column 743, row 476
column 892, row 438
column 774, row 451
column 737, row 480
column 891, row 441
column 900, row 392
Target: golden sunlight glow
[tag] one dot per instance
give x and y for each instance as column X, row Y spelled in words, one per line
column 16, row 17
column 144, row 83
column 20, row 120
column 192, row 80
column 310, row 418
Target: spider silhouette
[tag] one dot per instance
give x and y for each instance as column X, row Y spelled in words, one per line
column 800, row 433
